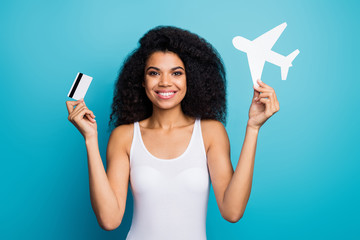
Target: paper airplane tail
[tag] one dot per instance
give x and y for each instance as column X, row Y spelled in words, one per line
column 288, row 61
column 292, row 56
column 284, row 72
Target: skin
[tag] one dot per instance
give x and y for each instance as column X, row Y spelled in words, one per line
column 166, row 134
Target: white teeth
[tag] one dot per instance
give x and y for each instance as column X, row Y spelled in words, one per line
column 166, row 94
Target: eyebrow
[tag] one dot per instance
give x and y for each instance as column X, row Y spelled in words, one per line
column 158, row 69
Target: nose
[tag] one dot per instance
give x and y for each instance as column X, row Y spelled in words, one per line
column 165, row 80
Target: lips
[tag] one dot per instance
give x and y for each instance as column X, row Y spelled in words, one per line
column 165, row 94
column 164, row 91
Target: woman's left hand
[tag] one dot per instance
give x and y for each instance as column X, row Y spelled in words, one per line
column 264, row 105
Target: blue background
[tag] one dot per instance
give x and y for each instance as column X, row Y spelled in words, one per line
column 306, row 179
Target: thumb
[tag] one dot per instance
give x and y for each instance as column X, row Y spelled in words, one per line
column 256, row 94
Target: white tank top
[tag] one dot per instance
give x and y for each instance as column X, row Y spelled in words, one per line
column 170, row 195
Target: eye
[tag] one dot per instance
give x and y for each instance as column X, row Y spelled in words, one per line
column 178, row 73
column 153, row 73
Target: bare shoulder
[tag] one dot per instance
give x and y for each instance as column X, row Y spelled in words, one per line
column 212, row 127
column 121, row 138
column 212, row 131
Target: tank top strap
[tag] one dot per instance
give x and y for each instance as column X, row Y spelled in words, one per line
column 135, row 141
column 199, row 142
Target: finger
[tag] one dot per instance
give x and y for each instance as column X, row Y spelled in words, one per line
column 70, row 105
column 81, row 115
column 262, row 84
column 88, row 114
column 89, row 117
column 271, row 97
column 268, row 111
column 271, row 108
column 277, row 105
column 77, row 109
column 256, row 94
column 274, row 99
column 79, row 112
column 91, row 114
column 264, row 87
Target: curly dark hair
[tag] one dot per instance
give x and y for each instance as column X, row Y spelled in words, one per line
column 205, row 77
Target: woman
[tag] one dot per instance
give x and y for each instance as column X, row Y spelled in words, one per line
column 169, row 140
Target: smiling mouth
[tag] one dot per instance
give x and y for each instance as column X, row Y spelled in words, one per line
column 165, row 95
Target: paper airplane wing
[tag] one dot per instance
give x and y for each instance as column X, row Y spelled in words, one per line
column 268, row 39
column 256, row 64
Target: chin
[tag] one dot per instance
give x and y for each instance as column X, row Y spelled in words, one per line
column 167, row 106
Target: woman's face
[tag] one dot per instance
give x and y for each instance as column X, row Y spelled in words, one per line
column 165, row 79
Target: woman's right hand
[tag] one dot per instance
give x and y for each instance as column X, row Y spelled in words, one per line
column 82, row 118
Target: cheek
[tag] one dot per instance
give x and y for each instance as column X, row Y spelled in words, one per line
column 147, row 88
column 147, row 84
column 182, row 84
column 185, row 88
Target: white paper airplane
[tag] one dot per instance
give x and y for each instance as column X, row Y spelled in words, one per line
column 259, row 50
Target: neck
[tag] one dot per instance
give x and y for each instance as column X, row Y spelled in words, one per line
column 168, row 118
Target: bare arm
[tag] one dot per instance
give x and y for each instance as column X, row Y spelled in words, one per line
column 232, row 189
column 108, row 191
column 238, row 191
column 103, row 199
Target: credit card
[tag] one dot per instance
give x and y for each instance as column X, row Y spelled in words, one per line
column 80, row 86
